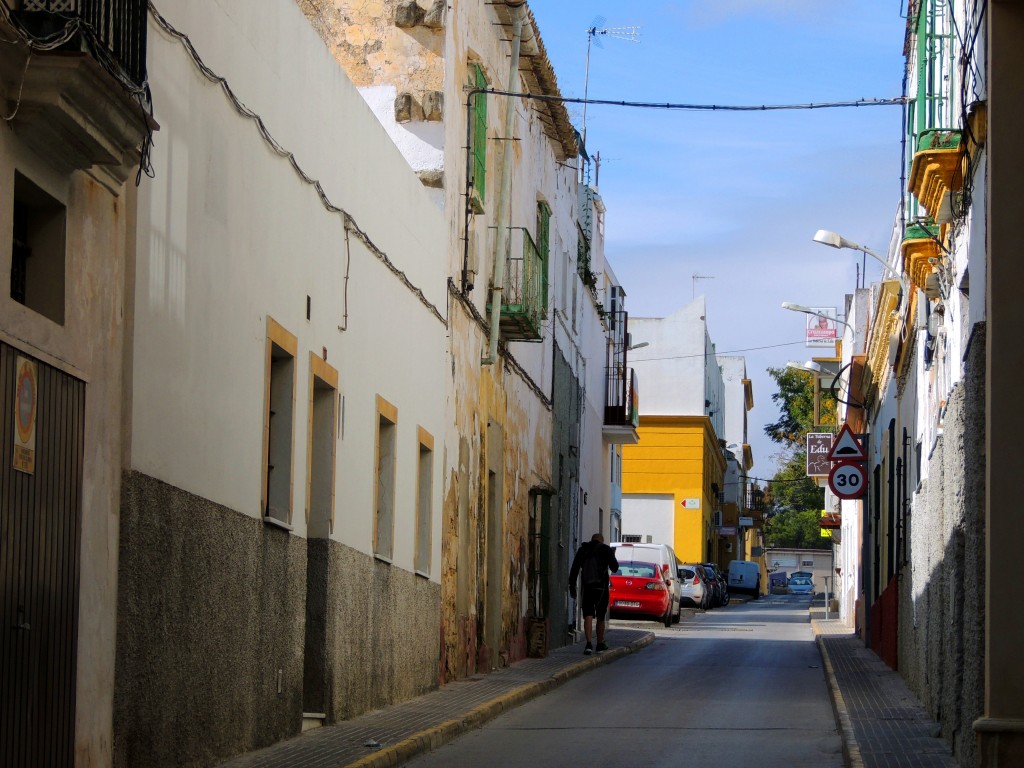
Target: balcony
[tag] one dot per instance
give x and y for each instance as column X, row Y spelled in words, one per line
column 937, row 172
column 524, row 294
column 920, row 250
column 622, row 406
column 756, row 500
column 83, row 103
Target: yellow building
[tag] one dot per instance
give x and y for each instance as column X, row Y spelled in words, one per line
column 672, row 477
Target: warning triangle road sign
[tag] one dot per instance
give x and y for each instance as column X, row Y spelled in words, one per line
column 846, row 447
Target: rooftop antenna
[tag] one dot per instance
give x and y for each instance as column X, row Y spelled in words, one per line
column 695, row 277
column 595, row 32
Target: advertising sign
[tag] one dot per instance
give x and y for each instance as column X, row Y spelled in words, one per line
column 819, row 444
column 821, row 328
column 25, row 401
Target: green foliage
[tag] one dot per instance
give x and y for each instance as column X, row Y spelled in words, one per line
column 796, row 529
column 793, row 516
column 795, row 400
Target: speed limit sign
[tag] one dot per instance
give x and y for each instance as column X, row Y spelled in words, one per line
column 848, row 480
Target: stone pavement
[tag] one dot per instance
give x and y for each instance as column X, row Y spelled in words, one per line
column 401, row 731
column 882, row 723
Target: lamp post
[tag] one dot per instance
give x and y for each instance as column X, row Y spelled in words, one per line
column 834, row 240
column 809, row 311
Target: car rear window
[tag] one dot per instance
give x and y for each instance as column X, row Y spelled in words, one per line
column 800, row 581
column 688, row 573
column 646, row 570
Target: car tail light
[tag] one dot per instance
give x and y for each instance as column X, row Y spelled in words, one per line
column 696, row 579
column 657, row 586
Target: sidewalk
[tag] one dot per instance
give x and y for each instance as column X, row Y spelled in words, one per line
column 399, row 732
column 882, row 723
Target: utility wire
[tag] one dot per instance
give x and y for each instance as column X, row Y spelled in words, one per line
column 896, row 101
column 348, row 221
column 715, row 353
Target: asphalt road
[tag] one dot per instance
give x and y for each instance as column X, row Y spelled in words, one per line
column 736, row 686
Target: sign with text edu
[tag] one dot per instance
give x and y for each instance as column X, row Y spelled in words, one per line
column 819, row 444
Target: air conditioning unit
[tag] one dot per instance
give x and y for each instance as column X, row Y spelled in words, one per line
column 728, row 546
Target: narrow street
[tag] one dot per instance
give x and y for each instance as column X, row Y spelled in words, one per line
column 716, row 689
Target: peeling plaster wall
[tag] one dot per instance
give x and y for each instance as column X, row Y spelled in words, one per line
column 483, row 401
column 89, row 345
column 941, row 631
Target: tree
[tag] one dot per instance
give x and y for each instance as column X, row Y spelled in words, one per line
column 793, row 516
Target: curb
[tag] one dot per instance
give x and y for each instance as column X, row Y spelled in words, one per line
column 851, row 749
column 432, row 738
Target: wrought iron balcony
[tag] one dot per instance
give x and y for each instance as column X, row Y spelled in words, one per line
column 114, row 31
column 756, row 500
column 525, row 289
column 622, row 408
column 83, row 103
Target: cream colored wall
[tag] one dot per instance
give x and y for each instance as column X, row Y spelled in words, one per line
column 88, row 346
column 229, row 235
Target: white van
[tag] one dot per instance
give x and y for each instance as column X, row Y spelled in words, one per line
column 745, row 576
column 662, row 556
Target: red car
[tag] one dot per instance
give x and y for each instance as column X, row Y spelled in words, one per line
column 639, row 590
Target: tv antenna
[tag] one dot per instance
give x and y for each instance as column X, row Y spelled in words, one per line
column 695, row 277
column 595, row 32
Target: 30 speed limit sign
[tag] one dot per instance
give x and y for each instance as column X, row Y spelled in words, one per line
column 848, row 480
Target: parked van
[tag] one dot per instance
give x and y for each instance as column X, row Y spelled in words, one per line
column 745, row 576
column 665, row 563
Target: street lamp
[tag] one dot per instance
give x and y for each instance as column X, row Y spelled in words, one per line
column 833, row 240
column 809, row 311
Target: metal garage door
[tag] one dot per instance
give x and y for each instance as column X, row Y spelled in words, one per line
column 40, row 528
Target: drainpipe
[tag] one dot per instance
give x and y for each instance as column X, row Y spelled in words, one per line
column 501, row 247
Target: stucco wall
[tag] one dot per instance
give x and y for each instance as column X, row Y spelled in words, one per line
column 210, row 607
column 382, row 630
column 941, row 631
column 213, row 603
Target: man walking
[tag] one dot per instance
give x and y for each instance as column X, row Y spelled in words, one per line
column 591, row 565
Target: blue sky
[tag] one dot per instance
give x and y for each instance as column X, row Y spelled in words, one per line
column 738, row 196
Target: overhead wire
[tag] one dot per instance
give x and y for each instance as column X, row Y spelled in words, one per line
column 349, row 222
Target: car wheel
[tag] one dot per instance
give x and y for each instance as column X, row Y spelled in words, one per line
column 668, row 615
column 679, row 613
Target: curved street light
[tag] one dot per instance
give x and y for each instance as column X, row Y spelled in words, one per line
column 809, row 311
column 834, row 240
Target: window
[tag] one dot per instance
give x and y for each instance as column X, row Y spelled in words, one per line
column 323, row 409
column 384, row 493
column 424, row 507
column 543, row 248
column 478, row 135
column 278, row 424
column 37, row 253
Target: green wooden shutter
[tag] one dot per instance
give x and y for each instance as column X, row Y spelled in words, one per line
column 543, row 241
column 479, row 118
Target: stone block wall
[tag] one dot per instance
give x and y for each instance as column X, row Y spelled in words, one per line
column 943, row 595
column 211, row 630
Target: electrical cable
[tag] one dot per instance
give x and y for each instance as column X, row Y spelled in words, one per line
column 896, row 101
column 350, row 224
column 715, row 353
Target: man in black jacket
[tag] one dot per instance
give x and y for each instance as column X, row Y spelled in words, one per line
column 591, row 564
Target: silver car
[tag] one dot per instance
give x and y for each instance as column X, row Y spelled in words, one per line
column 694, row 586
column 800, row 585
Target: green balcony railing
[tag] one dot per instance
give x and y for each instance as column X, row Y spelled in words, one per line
column 524, row 291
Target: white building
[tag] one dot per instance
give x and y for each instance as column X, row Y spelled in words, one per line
column 281, row 513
